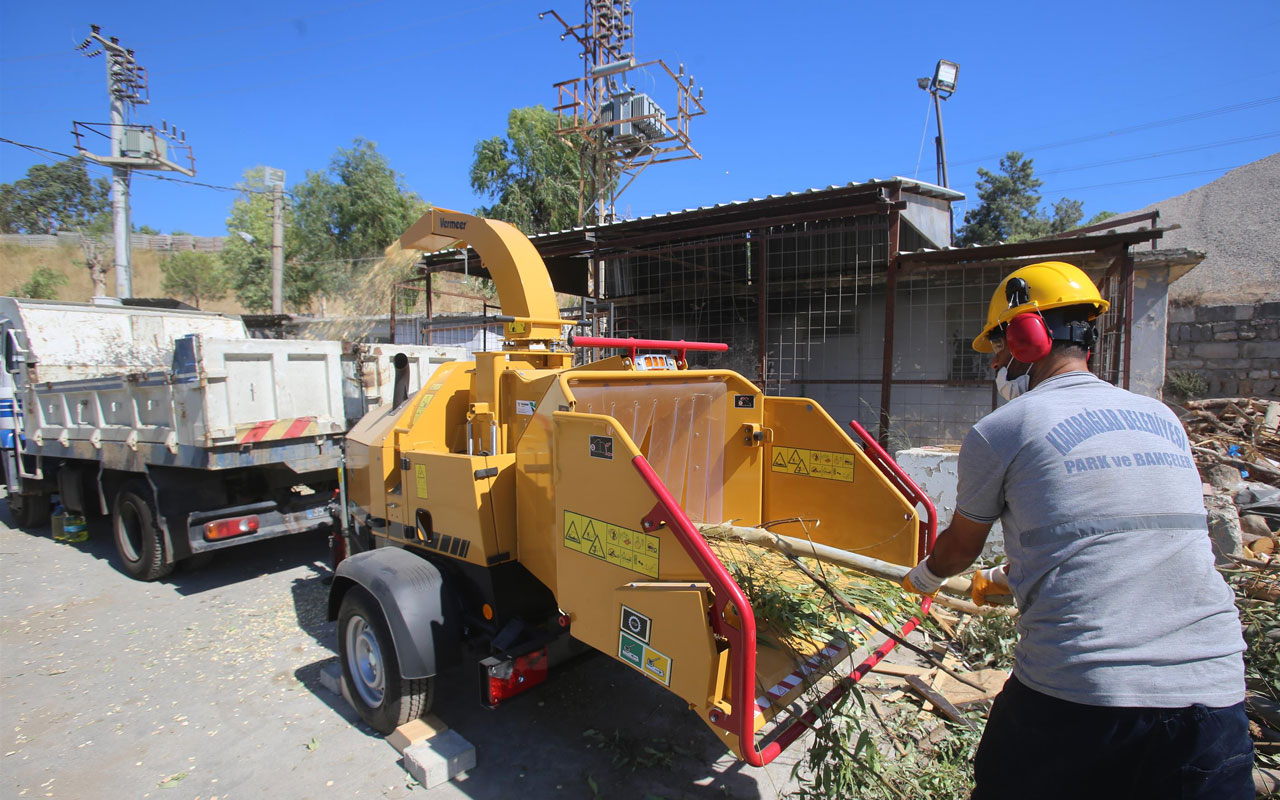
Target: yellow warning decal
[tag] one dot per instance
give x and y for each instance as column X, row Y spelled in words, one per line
column 517, row 327
column 633, row 550
column 813, row 463
column 420, row 475
column 422, row 406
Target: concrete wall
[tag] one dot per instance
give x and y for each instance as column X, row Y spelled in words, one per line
column 1236, row 348
column 137, row 241
column 934, row 471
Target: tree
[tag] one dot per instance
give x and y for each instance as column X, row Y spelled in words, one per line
column 353, row 210
column 52, row 197
column 247, row 252
column 99, row 254
column 195, row 276
column 43, row 284
column 532, row 174
column 1101, row 216
column 1009, row 207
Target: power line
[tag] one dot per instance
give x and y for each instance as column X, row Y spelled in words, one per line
column 348, row 70
column 89, row 165
column 267, row 56
column 1178, row 151
column 1195, row 115
column 1143, row 180
column 207, row 34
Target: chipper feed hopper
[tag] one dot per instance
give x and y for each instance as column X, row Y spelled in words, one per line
column 517, row 503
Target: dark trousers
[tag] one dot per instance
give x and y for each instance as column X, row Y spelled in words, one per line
column 1036, row 746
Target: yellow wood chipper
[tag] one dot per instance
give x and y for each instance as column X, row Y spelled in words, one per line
column 517, row 504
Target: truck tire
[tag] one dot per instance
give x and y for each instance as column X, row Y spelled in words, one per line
column 30, row 510
column 370, row 669
column 139, row 540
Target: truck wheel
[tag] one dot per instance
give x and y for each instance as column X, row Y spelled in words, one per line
column 370, row 670
column 30, row 510
column 139, row 540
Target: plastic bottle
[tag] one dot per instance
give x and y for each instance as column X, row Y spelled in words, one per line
column 57, row 524
column 75, row 528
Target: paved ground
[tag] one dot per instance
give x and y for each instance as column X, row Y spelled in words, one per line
column 206, row 685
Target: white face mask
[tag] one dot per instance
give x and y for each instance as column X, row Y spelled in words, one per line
column 1010, row 389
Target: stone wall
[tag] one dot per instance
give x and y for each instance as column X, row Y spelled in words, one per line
column 1235, row 348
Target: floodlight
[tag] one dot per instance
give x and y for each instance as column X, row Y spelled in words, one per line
column 944, row 78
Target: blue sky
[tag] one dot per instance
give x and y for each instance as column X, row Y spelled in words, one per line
column 1120, row 104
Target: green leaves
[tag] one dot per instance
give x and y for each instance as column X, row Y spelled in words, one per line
column 532, row 174
column 1009, row 207
column 196, row 277
column 43, row 284
column 51, row 198
column 355, row 209
column 337, row 221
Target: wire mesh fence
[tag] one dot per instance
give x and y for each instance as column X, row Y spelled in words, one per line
column 803, row 307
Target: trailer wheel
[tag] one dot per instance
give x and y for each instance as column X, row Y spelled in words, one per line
column 370, row 670
column 30, row 510
column 139, row 540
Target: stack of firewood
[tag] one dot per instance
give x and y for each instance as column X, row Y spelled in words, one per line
column 1240, row 432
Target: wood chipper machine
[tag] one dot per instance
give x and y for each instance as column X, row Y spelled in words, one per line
column 518, row 504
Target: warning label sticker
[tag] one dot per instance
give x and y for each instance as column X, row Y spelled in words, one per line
column 813, row 463
column 422, row 405
column 644, row 658
column 420, row 477
column 633, row 550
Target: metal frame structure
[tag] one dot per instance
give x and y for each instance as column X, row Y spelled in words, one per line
column 829, row 293
column 610, row 164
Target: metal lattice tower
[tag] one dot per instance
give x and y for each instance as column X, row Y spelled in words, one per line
column 618, row 131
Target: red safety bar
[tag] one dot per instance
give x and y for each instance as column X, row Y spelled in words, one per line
column 632, row 345
column 909, row 488
column 742, row 642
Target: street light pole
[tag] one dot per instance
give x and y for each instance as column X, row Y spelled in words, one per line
column 940, row 144
column 942, row 85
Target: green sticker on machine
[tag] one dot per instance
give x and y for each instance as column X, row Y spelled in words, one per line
column 644, row 658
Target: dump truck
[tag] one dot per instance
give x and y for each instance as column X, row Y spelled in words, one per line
column 191, row 435
column 517, row 507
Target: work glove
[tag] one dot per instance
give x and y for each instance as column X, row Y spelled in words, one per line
column 921, row 580
column 989, row 582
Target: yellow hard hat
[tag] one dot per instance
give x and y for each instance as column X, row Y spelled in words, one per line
column 1051, row 284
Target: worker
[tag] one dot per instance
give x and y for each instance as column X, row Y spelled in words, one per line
column 1128, row 678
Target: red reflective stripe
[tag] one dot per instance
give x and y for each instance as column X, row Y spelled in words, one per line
column 256, row 433
column 299, row 427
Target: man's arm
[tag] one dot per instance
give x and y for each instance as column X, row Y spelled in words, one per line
column 955, row 549
column 958, row 546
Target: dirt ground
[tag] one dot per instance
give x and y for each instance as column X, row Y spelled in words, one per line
column 207, row 685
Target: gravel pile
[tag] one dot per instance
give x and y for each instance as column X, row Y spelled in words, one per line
column 1236, row 221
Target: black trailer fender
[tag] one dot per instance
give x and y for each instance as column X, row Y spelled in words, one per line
column 419, row 612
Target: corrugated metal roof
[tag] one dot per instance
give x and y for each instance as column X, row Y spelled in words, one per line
column 908, row 184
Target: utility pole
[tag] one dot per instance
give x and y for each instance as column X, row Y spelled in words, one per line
column 275, row 180
column 132, row 146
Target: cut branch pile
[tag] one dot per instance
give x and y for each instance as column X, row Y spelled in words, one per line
column 1239, row 432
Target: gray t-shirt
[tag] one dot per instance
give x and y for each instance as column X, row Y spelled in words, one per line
column 1109, row 554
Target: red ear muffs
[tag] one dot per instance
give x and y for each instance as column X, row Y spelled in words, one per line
column 1028, row 338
